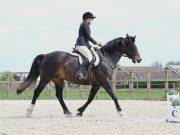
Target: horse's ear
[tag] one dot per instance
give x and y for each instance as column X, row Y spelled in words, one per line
column 134, row 38
column 127, row 35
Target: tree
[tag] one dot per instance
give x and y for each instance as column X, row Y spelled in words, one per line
column 7, row 76
column 173, row 63
column 157, row 64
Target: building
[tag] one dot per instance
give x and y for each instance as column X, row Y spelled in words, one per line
column 144, row 74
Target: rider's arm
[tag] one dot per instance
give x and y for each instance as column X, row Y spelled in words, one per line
column 87, row 32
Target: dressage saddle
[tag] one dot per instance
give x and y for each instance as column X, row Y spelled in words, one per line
column 83, row 58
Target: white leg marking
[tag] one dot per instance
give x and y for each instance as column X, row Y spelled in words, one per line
column 29, row 110
column 121, row 113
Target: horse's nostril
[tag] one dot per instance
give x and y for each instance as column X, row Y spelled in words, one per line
column 139, row 60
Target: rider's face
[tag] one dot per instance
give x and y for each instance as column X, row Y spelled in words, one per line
column 89, row 20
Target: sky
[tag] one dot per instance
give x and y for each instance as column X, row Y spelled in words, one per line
column 32, row 27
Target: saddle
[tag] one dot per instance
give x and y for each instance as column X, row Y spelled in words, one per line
column 100, row 57
column 81, row 58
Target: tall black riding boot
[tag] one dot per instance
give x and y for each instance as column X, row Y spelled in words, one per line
column 80, row 73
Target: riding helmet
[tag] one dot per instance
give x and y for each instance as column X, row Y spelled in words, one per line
column 88, row 15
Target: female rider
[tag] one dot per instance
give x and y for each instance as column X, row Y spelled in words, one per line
column 82, row 43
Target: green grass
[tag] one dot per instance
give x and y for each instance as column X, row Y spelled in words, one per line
column 141, row 94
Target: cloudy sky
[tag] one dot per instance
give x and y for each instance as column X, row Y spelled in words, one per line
column 32, row 27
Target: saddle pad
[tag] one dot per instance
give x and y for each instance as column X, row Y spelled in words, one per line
column 80, row 59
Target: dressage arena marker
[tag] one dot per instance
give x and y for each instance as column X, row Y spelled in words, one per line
column 173, row 111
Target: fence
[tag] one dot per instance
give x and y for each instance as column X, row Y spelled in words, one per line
column 71, row 91
column 129, row 88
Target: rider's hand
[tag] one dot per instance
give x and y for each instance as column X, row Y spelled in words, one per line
column 99, row 44
column 96, row 46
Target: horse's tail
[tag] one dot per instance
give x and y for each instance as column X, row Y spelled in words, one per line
column 33, row 74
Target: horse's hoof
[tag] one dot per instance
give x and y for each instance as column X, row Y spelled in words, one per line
column 79, row 115
column 167, row 120
column 79, row 110
column 121, row 113
column 28, row 113
column 68, row 115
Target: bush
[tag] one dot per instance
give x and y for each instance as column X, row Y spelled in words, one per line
column 176, row 102
column 172, row 92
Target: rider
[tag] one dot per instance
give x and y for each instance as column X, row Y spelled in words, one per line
column 82, row 43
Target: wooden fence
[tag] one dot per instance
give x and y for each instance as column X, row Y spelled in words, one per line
column 9, row 87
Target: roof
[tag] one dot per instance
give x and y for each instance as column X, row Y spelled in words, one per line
column 174, row 68
column 137, row 68
column 142, row 74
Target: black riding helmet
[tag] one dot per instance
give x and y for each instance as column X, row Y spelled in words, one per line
column 88, row 15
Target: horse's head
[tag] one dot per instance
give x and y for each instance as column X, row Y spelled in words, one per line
column 131, row 49
column 119, row 46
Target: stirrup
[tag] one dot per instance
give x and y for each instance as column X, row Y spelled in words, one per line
column 80, row 76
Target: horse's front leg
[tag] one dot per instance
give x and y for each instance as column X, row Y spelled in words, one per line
column 108, row 87
column 92, row 94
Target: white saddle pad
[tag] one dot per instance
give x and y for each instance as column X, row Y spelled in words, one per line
column 97, row 59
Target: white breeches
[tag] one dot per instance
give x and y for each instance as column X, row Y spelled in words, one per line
column 85, row 52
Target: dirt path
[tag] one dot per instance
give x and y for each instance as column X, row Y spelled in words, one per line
column 143, row 118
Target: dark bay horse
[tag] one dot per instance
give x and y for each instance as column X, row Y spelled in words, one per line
column 59, row 66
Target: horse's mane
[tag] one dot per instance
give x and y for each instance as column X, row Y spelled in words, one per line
column 112, row 45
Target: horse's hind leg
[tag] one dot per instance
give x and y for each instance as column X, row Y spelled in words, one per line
column 92, row 94
column 59, row 94
column 37, row 92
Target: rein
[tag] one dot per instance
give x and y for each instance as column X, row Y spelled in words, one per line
column 104, row 58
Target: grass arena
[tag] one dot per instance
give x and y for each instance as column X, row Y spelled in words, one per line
column 142, row 117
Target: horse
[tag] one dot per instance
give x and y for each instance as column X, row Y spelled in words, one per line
column 58, row 66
